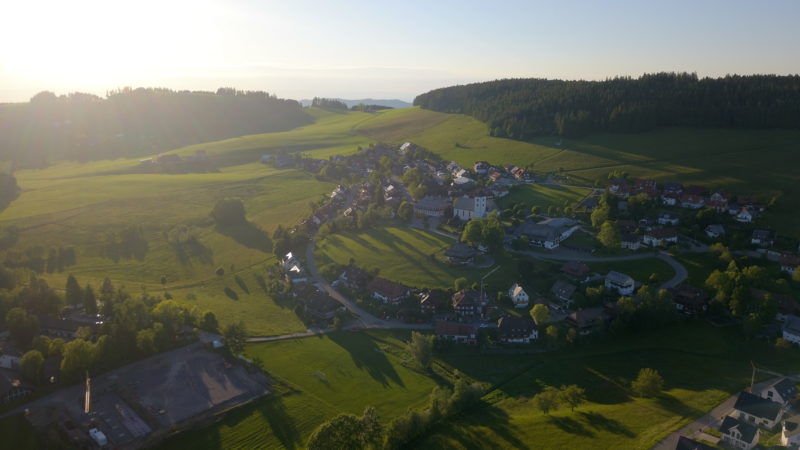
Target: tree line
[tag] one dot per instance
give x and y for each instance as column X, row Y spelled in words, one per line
column 526, row 108
column 135, row 122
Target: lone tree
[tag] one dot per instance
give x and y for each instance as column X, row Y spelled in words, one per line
column 405, row 211
column 74, row 293
column 235, row 335
column 572, row 395
column 31, row 366
column 421, row 348
column 348, row 431
column 649, row 383
column 609, row 235
column 540, row 314
column 547, row 400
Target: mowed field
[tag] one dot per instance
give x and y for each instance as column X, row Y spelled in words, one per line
column 544, row 195
column 320, row 377
column 403, row 254
column 759, row 162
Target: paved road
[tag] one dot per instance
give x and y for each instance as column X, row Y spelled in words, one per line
column 565, row 255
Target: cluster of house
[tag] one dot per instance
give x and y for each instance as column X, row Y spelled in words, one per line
column 293, row 269
column 744, row 208
column 548, row 233
column 633, row 235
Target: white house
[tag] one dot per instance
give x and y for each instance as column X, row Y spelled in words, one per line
column 658, row 237
column 518, row 296
column 781, row 391
column 738, row 434
column 790, row 433
column 516, row 330
column 668, row 219
column 714, row 231
column 620, row 282
column 791, row 329
column 467, row 208
column 752, row 409
column 744, row 216
column 9, row 361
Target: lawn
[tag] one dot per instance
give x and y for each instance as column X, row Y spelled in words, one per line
column 639, row 269
column 543, row 195
column 18, row 433
column 699, row 266
column 320, row 377
column 613, row 416
column 403, row 254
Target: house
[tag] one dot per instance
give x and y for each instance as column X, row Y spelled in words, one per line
column 548, row 233
column 690, row 300
column 481, row 167
column 321, row 306
column 432, row 206
column 354, row 278
column 738, row 434
column 672, row 188
column 406, row 147
column 647, row 186
column 518, row 296
column 468, row 302
column 11, row 389
column 744, row 215
column 65, row 328
column 684, row 443
column 791, row 329
column 787, row 305
column 456, row 332
column 763, row 238
column 789, row 262
column 587, row 320
column 288, row 261
column 460, row 253
column 670, row 198
column 782, row 391
column 790, row 433
column 630, row 241
column 516, row 330
column 575, row 269
column 714, row 231
column 620, row 282
column 296, row 274
column 692, row 201
column 752, row 409
column 660, row 237
column 430, row 302
column 466, row 208
column 666, row 218
column 387, row 291
column 9, row 361
column 563, row 291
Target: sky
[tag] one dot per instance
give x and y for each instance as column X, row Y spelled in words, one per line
column 379, row 49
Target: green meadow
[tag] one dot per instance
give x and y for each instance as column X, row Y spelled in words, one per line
column 544, row 195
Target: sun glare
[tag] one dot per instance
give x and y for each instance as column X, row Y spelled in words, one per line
column 92, row 41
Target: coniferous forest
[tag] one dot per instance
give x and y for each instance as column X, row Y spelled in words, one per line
column 526, row 108
column 136, row 122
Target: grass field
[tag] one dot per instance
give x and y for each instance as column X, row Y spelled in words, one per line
column 322, row 376
column 701, row 366
column 639, row 269
column 404, row 255
column 543, row 195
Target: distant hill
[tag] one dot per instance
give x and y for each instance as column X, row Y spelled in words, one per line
column 135, row 122
column 393, row 103
column 526, row 108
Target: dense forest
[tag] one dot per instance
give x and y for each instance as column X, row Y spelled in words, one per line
column 135, row 122
column 525, row 108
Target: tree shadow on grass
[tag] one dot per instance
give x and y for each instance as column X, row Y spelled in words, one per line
column 261, row 282
column 570, row 425
column 676, row 406
column 191, row 250
column 466, row 428
column 368, row 356
column 603, row 423
column 280, row 422
column 249, row 235
column 231, row 293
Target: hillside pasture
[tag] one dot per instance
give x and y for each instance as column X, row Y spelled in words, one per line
column 544, row 195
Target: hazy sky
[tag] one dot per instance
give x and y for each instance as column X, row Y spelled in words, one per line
column 387, row 49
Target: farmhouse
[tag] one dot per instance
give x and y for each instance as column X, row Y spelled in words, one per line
column 321, row 306
column 481, row 167
column 692, row 201
column 563, row 291
column 738, row 434
column 660, row 237
column 548, row 233
column 670, row 198
column 430, row 302
column 460, row 253
column 782, row 391
column 587, row 320
column 64, row 328
column 690, row 300
column 467, row 302
column 752, row 409
column 790, row 433
column 387, row 291
column 791, row 329
column 518, row 296
column 456, row 332
column 516, row 330
column 744, row 215
column 620, row 282
column 666, row 218
column 432, row 206
column 11, row 389
column 763, row 238
column 789, row 262
column 684, row 443
column 9, row 361
column 354, row 278
column 466, row 208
